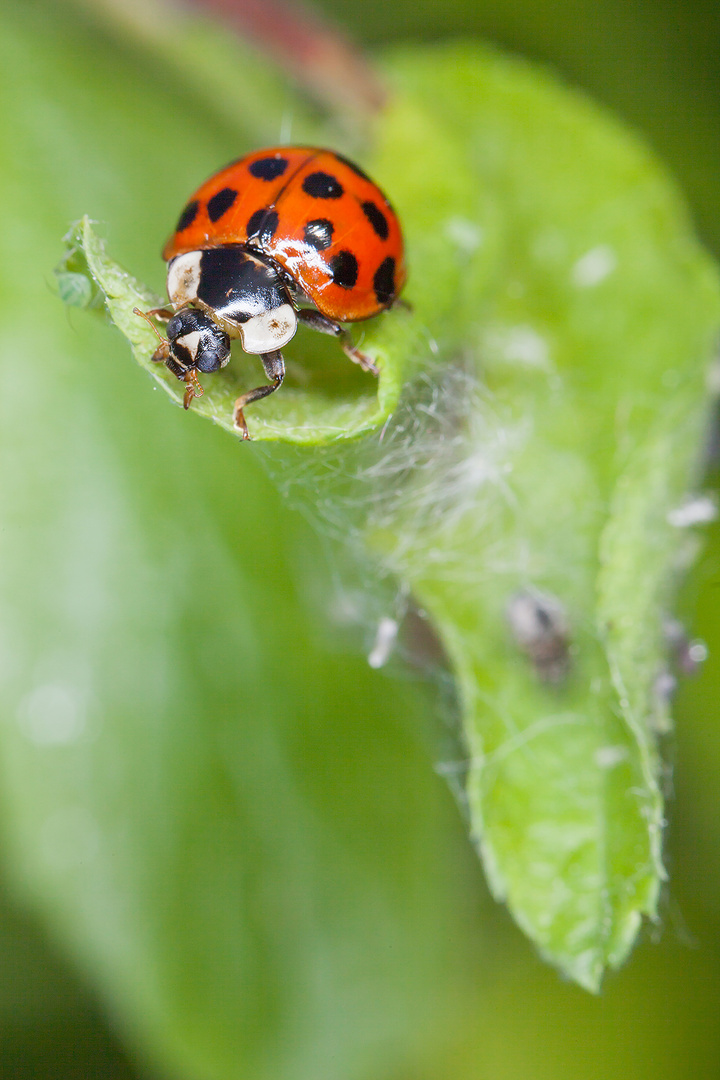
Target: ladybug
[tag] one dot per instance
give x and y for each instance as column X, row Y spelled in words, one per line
column 280, row 237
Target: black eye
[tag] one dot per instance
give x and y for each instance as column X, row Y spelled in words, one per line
column 186, row 321
column 175, row 327
column 213, row 350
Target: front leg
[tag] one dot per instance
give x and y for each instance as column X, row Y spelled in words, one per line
column 275, row 370
column 162, row 353
column 165, row 314
column 319, row 322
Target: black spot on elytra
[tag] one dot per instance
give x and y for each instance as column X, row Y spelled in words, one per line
column 384, row 281
column 321, row 185
column 344, row 268
column 318, row 233
column 376, row 218
column 188, row 216
column 268, row 168
column 221, row 203
column 262, row 225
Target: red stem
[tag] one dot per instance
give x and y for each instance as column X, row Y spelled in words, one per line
column 327, row 64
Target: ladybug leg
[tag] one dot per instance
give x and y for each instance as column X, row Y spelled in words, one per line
column 275, row 370
column 162, row 353
column 319, row 322
column 193, row 387
column 401, row 302
column 162, row 314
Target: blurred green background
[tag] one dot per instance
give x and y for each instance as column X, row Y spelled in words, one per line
column 411, row 977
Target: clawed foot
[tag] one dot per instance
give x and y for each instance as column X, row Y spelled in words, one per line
column 239, row 423
column 194, row 389
column 361, row 358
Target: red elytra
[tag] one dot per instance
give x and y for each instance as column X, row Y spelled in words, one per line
column 317, row 215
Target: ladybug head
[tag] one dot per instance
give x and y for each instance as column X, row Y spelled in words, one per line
column 194, row 343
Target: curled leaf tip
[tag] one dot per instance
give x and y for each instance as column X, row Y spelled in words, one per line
column 334, row 404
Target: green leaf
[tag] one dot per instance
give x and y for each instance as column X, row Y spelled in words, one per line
column 577, row 431
column 563, row 322
column 575, row 434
